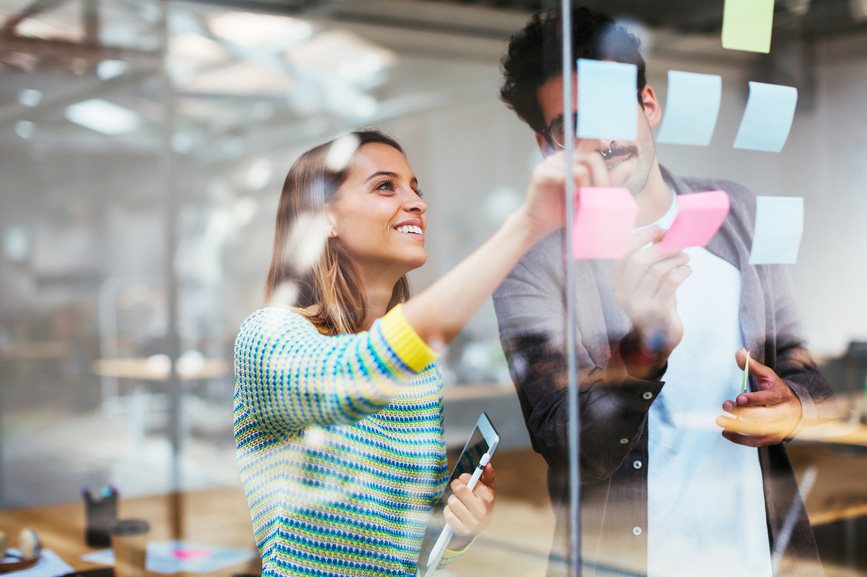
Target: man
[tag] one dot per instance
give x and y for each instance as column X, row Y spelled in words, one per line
column 680, row 474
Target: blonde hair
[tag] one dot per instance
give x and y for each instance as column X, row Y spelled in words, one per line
column 329, row 291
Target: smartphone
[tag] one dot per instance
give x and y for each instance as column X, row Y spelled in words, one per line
column 483, row 439
column 98, row 572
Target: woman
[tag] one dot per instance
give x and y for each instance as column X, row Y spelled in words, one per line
column 338, row 401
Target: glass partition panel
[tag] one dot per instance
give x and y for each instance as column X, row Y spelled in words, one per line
column 170, row 350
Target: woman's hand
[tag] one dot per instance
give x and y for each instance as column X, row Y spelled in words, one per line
column 544, row 208
column 467, row 512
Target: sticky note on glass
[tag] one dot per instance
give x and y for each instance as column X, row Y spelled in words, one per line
column 607, row 100
column 699, row 216
column 691, row 109
column 603, row 223
column 747, row 25
column 778, row 232
column 767, row 118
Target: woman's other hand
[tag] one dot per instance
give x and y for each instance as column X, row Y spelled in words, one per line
column 544, row 207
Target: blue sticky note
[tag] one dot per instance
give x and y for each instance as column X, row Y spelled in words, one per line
column 778, row 232
column 607, row 100
column 691, row 108
column 767, row 118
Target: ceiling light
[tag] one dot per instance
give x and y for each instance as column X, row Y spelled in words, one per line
column 244, row 210
column 240, row 78
column 29, row 97
column 259, row 174
column 259, row 29
column 344, row 54
column 196, row 49
column 24, row 128
column 103, row 116
column 108, row 69
column 182, row 142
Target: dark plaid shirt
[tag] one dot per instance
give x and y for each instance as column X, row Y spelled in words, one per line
column 530, row 307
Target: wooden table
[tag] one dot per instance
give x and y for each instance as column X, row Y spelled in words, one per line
column 210, row 516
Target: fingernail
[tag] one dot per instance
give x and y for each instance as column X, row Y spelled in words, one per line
column 655, row 229
column 720, row 422
column 728, row 406
column 742, row 399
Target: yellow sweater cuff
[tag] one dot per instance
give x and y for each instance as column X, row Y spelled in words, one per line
column 408, row 346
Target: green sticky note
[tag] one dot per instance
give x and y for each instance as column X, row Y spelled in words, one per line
column 746, row 373
column 747, row 25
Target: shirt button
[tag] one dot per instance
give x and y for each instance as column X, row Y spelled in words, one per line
column 624, row 441
column 636, row 531
column 636, row 464
column 647, row 396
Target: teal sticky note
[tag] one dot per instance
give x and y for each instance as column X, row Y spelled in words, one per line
column 607, row 100
column 691, row 108
column 767, row 118
column 778, row 231
column 747, row 25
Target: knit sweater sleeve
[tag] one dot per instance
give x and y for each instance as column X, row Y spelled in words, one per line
column 290, row 376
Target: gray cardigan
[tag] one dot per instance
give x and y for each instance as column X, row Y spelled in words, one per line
column 530, row 306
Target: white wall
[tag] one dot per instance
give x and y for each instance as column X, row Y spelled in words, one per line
column 824, row 162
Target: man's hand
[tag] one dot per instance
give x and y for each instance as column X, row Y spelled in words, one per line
column 645, row 282
column 467, row 512
column 765, row 417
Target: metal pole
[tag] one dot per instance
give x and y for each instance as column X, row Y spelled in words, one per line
column 571, row 361
column 170, row 205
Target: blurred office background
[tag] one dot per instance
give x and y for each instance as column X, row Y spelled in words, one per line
column 143, row 145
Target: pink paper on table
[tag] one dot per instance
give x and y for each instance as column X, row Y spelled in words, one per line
column 604, row 218
column 699, row 216
column 185, row 554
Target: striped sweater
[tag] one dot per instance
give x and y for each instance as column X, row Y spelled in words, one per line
column 340, row 444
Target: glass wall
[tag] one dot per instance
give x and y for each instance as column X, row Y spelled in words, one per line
column 144, row 148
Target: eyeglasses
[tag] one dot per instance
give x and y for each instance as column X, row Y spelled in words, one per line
column 555, row 133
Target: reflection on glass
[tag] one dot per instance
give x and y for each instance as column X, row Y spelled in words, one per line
column 103, row 301
column 681, row 472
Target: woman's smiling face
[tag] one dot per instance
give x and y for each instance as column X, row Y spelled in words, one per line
column 378, row 213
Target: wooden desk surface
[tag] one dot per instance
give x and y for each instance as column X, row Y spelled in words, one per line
column 209, row 516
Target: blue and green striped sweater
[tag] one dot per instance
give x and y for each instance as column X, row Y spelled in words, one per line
column 340, row 444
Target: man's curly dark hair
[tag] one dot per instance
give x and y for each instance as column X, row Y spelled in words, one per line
column 535, row 56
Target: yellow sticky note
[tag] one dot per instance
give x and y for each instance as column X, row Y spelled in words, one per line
column 747, row 25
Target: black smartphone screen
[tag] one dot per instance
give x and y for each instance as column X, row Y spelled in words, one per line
column 98, row 572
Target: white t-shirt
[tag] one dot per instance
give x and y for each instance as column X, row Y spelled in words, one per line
column 706, row 506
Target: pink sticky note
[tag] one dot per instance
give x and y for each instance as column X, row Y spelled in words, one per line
column 604, row 218
column 185, row 554
column 699, row 216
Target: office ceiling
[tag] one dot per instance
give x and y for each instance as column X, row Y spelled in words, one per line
column 813, row 18
column 327, row 62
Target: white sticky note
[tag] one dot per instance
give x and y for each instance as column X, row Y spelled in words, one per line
column 778, row 232
column 691, row 108
column 767, row 118
column 607, row 100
